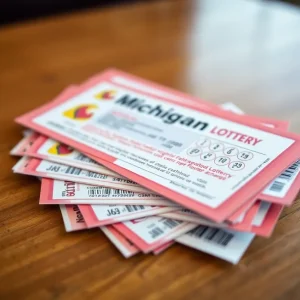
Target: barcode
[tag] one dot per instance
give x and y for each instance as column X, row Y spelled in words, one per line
column 288, row 173
column 279, row 183
column 155, row 232
column 132, row 208
column 277, row 186
column 73, row 171
column 171, row 223
column 99, row 191
column 84, row 158
column 215, row 235
column 185, row 210
column 108, row 191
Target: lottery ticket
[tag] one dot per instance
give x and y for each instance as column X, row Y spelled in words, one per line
column 72, row 217
column 51, row 150
column 152, row 232
column 44, row 168
column 73, row 221
column 126, row 247
column 24, row 145
column 266, row 228
column 182, row 156
column 45, row 148
column 223, row 243
column 239, row 214
column 55, row 191
column 190, row 216
column 99, row 215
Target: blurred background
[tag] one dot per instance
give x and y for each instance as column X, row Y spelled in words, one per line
column 243, row 51
column 18, row 10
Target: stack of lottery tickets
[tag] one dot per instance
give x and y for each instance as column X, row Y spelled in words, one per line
column 151, row 166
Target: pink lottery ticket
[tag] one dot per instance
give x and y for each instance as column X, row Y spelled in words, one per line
column 246, row 223
column 44, row 168
column 152, row 232
column 73, row 221
column 190, row 216
column 46, row 148
column 126, row 247
column 51, row 150
column 25, row 144
column 72, row 217
column 99, row 215
column 239, row 214
column 253, row 164
column 266, row 228
column 55, row 191
column 264, row 221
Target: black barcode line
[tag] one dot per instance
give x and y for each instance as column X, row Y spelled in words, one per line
column 171, row 223
column 102, row 191
column 285, row 177
column 108, row 191
column 73, row 171
column 133, row 208
column 185, row 210
column 214, row 235
column 289, row 172
column 84, row 158
column 155, row 232
column 277, row 186
column 96, row 175
column 122, row 192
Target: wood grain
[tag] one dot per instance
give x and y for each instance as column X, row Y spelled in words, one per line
column 246, row 52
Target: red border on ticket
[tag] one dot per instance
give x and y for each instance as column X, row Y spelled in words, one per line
column 289, row 197
column 217, row 214
column 270, row 221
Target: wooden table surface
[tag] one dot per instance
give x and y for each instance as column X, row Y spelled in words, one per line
column 246, row 52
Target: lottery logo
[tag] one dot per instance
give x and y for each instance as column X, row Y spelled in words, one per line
column 80, row 112
column 106, row 95
column 60, row 149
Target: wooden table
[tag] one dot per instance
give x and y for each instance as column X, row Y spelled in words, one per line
column 246, row 52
